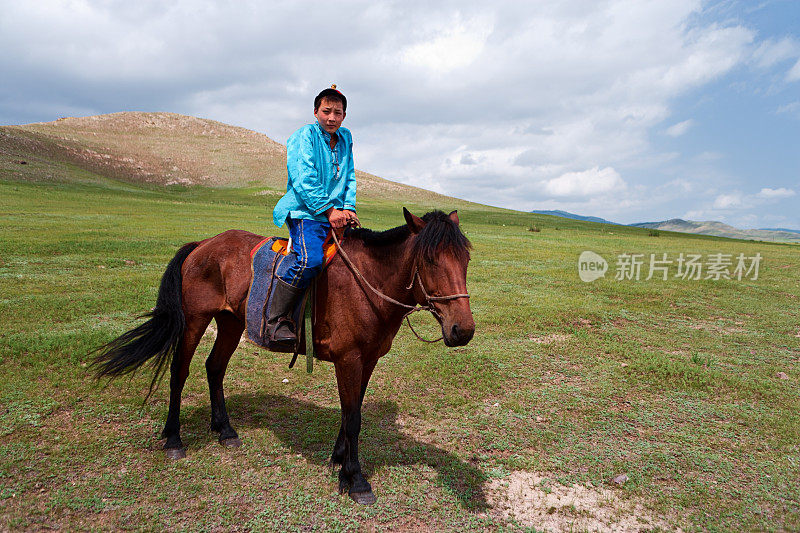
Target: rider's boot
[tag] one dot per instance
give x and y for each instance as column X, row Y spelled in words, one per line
column 280, row 326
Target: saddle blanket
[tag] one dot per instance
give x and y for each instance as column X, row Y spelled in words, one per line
column 268, row 261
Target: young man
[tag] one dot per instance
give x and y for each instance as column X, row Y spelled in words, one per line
column 320, row 194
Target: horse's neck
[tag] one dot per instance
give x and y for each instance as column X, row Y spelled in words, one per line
column 389, row 269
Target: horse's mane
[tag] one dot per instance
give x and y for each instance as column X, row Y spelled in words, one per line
column 440, row 233
column 376, row 239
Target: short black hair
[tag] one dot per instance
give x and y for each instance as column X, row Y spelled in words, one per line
column 331, row 93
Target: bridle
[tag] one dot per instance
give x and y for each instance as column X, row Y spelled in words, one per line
column 415, row 278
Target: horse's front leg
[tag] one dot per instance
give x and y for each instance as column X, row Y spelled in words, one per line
column 352, row 377
column 339, row 449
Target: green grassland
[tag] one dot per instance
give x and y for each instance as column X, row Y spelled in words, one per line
column 675, row 383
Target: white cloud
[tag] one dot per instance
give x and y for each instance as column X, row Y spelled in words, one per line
column 454, row 45
column 729, row 201
column 770, row 52
column 586, row 183
column 676, row 130
column 696, row 214
column 772, row 194
column 739, row 200
column 679, row 185
column 792, row 108
column 744, row 210
column 496, row 102
column 794, row 72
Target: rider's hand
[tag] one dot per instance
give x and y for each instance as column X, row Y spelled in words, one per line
column 352, row 218
column 337, row 218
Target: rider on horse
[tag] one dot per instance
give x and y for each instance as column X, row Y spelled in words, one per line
column 320, row 194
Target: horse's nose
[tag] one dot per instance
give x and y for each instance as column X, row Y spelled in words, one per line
column 460, row 336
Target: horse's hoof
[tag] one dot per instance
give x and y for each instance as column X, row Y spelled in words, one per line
column 175, row 453
column 233, row 442
column 363, row 498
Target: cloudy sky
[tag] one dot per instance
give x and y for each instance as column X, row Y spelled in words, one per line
column 630, row 110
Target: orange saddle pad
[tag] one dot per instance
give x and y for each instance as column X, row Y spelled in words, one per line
column 280, row 246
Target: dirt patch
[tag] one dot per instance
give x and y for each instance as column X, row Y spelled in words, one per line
column 418, row 429
column 717, row 327
column 538, row 502
column 549, row 339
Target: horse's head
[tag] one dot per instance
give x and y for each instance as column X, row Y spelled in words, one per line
column 441, row 255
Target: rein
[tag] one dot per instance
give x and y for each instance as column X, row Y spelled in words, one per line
column 411, row 308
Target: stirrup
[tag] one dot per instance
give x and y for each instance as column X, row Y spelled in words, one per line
column 284, row 323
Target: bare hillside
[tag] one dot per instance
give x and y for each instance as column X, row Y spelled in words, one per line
column 720, row 229
column 171, row 149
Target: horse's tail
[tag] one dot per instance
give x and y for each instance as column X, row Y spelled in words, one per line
column 158, row 339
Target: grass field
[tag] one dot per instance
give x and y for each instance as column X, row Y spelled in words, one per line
column 675, row 383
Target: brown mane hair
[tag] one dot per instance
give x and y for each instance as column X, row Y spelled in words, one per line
column 440, row 233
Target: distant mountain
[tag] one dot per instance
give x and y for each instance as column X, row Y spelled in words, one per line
column 782, row 229
column 721, row 230
column 573, row 216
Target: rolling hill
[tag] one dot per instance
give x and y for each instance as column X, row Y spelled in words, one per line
column 166, row 149
column 721, row 230
column 573, row 216
column 713, row 228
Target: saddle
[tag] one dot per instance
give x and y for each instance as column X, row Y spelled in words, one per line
column 267, row 262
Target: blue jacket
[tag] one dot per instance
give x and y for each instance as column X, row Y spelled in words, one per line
column 314, row 185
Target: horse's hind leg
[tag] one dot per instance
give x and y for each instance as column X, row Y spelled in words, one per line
column 179, row 370
column 229, row 332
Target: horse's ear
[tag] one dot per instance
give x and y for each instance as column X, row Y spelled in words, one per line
column 454, row 217
column 415, row 224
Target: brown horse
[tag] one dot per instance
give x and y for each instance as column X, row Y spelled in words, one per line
column 423, row 262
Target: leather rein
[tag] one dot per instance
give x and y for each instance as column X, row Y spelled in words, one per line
column 411, row 308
